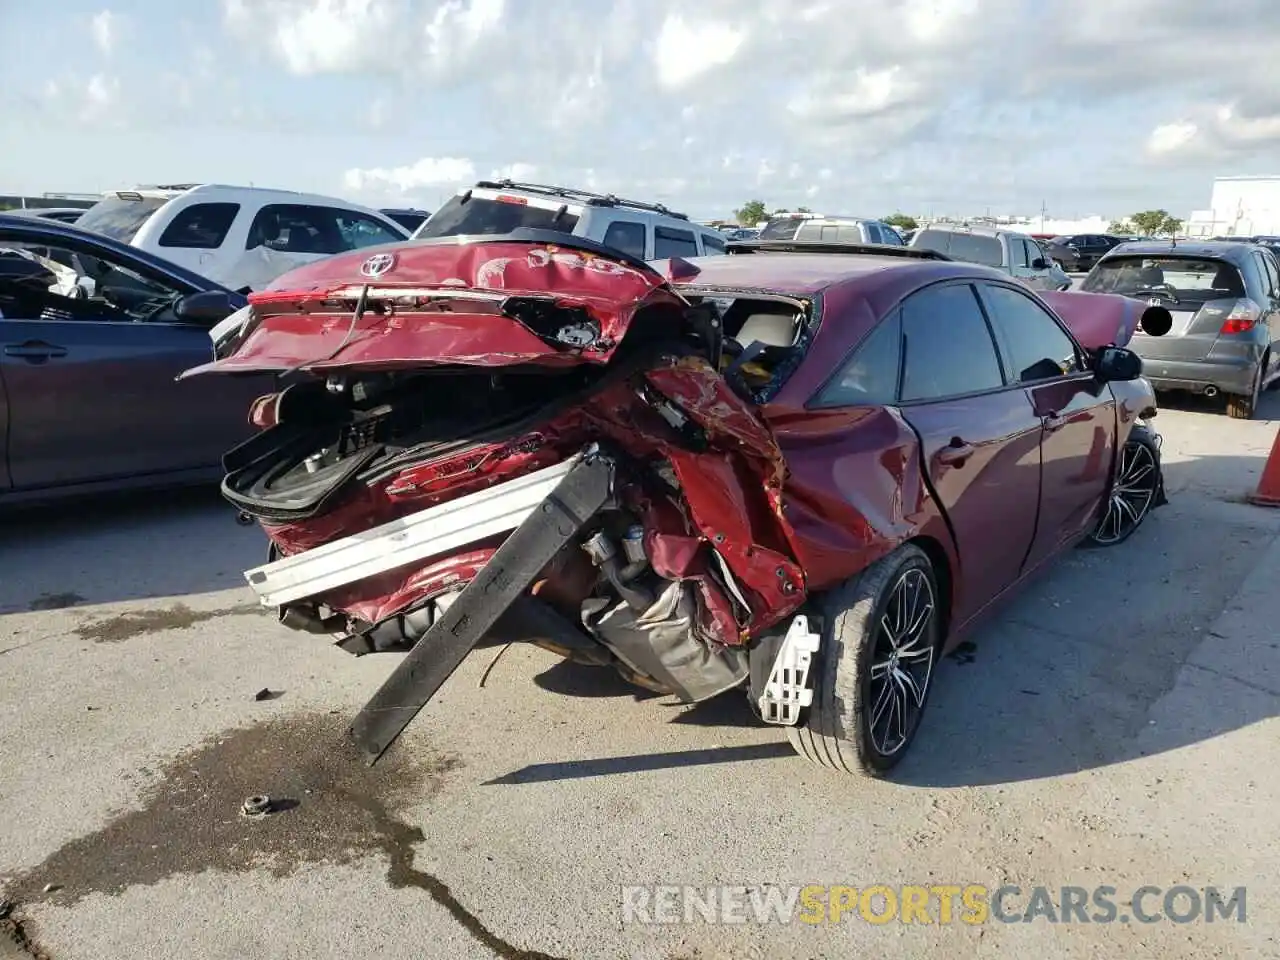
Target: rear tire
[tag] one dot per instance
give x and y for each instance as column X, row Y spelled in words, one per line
column 870, row 691
column 1241, row 407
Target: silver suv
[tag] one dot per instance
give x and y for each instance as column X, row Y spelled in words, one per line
column 1015, row 253
column 646, row 231
column 833, row 229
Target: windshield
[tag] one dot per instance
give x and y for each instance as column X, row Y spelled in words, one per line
column 119, row 219
column 482, row 217
column 782, row 228
column 1177, row 278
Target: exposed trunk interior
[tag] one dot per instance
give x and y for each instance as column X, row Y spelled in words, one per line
column 359, row 429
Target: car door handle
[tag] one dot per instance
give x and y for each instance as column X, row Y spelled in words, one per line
column 35, row 350
column 955, row 453
column 1055, row 422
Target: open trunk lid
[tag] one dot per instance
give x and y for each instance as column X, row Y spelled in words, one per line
column 534, row 298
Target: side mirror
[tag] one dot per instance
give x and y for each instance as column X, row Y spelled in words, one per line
column 1117, row 364
column 1039, row 263
column 204, row 308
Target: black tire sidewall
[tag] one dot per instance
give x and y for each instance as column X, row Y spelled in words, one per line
column 852, row 616
column 1142, row 435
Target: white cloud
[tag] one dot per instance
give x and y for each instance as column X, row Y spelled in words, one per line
column 515, row 171
column 399, row 37
column 102, row 27
column 430, row 172
column 102, row 91
column 458, row 25
column 945, row 105
column 1171, row 137
column 686, row 50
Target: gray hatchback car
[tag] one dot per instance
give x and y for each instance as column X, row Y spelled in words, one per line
column 1225, row 302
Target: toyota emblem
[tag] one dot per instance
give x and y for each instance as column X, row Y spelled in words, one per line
column 377, row 265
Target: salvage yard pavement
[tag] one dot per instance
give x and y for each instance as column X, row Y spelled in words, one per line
column 1116, row 725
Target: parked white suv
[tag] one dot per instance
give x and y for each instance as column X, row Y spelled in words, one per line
column 646, row 231
column 237, row 236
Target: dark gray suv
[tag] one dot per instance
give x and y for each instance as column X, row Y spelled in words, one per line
column 1225, row 302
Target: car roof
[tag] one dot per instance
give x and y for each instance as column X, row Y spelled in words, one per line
column 978, row 231
column 841, row 218
column 1212, row 249
column 47, row 231
column 43, row 211
column 574, row 197
column 805, row 274
column 213, row 191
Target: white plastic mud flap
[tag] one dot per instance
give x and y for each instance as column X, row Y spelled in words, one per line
column 787, row 690
column 419, row 536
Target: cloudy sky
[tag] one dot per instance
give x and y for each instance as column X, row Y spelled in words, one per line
column 855, row 106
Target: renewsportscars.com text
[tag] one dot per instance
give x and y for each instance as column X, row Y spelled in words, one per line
column 943, row 904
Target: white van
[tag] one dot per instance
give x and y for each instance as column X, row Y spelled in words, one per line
column 646, row 231
column 237, row 236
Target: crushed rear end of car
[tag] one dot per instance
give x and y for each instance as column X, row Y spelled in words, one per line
column 514, row 438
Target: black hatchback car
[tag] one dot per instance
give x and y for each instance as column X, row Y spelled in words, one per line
column 1225, row 303
column 1082, row 250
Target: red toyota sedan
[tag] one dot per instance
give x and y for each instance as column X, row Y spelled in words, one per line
column 799, row 470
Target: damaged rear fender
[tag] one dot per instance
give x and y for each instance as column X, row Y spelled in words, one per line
column 856, row 492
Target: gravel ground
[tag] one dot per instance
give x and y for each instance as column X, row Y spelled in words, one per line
column 1117, row 725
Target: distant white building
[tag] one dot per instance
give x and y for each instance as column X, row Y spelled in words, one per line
column 1239, row 206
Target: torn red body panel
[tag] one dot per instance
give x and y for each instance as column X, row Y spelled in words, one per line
column 523, row 308
column 445, row 304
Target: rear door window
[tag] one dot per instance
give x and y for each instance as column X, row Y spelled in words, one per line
column 1273, row 272
column 483, row 217
column 977, row 249
column 361, row 230
column 1263, row 262
column 948, row 349
column 307, row 228
column 120, row 218
column 712, row 244
column 627, row 236
column 936, row 240
column 201, row 226
column 782, row 228
column 669, row 242
column 871, row 374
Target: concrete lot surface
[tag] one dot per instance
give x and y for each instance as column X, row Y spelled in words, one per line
column 1117, row 726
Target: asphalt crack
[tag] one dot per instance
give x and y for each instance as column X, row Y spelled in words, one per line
column 13, row 928
column 330, row 807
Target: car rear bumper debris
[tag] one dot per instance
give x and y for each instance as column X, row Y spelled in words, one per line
column 437, row 531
